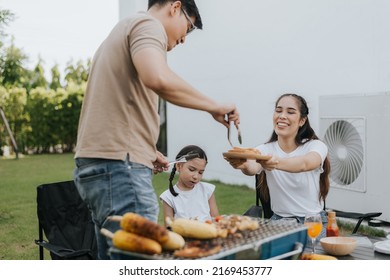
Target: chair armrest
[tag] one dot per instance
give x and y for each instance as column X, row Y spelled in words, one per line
column 359, row 216
column 62, row 252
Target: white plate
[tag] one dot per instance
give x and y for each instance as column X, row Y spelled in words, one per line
column 382, row 247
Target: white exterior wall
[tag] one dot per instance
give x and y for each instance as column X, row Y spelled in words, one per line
column 251, row 51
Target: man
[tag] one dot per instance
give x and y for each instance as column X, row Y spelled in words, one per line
column 119, row 123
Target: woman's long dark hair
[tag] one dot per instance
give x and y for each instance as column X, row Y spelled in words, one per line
column 305, row 133
column 188, row 152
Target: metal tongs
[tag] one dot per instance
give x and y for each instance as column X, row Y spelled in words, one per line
column 181, row 159
column 184, row 158
column 238, row 132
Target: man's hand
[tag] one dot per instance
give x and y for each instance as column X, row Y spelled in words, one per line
column 226, row 110
column 160, row 164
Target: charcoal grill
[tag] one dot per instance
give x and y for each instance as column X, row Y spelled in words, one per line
column 272, row 240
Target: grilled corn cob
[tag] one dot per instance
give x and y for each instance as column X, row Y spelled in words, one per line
column 132, row 242
column 317, row 257
column 134, row 223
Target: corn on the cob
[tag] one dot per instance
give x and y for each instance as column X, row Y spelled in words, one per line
column 175, row 241
column 193, row 228
column 132, row 242
column 134, row 223
column 317, row 257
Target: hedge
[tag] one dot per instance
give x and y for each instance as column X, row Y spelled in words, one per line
column 43, row 120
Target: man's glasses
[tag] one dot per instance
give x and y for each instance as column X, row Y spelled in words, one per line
column 193, row 27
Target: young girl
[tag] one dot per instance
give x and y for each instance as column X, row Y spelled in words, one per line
column 297, row 174
column 189, row 197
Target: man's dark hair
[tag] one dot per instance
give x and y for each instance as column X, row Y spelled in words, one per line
column 188, row 5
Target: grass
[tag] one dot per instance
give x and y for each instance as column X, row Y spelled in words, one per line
column 347, row 227
column 18, row 182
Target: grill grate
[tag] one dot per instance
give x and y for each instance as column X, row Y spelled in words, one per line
column 267, row 231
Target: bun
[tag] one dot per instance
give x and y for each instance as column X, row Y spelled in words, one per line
column 245, row 150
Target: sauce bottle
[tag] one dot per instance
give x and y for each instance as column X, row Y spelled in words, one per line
column 332, row 229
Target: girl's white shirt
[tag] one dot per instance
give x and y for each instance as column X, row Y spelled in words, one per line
column 295, row 194
column 192, row 204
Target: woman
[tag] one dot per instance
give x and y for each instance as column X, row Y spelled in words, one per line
column 297, row 174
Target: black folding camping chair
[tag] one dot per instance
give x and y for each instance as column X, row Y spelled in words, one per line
column 65, row 220
column 262, row 208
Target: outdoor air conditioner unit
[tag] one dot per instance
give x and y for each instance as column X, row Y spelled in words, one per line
column 356, row 129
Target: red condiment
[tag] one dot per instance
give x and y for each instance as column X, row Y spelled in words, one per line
column 332, row 232
column 332, row 229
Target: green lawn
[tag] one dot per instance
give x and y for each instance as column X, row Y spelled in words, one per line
column 18, row 182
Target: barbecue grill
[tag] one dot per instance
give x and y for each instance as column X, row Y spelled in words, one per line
column 272, row 240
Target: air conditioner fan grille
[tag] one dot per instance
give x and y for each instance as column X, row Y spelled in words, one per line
column 345, row 152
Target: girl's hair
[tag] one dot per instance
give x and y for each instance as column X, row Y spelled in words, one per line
column 305, row 133
column 188, row 152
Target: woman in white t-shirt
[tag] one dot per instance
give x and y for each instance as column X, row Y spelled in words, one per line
column 189, row 197
column 296, row 178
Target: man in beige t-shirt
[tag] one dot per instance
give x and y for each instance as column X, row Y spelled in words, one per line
column 119, row 122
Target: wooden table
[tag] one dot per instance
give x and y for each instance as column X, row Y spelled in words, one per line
column 364, row 249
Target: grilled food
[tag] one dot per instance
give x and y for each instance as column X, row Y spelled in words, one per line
column 245, row 150
column 193, row 228
column 316, row 257
column 133, row 242
column 231, row 224
column 198, row 249
column 134, row 223
column 175, row 241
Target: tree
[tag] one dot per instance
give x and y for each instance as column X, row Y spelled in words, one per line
column 55, row 77
column 5, row 17
column 12, row 71
column 13, row 102
column 77, row 73
column 38, row 76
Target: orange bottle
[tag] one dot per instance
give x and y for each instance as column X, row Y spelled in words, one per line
column 332, row 229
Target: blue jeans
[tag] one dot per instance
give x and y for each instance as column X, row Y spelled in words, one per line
column 114, row 187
